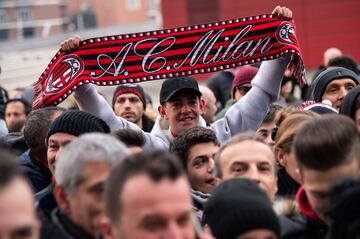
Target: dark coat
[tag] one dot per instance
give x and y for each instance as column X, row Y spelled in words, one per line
column 38, row 174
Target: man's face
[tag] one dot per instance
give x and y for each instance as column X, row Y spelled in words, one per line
column 200, row 167
column 55, row 145
column 336, row 90
column 182, row 111
column 258, row 234
column 265, row 131
column 241, row 91
column 129, row 106
column 318, row 183
column 15, row 116
column 86, row 205
column 253, row 160
column 155, row 210
column 17, row 213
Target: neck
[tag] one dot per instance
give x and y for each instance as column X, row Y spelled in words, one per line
column 140, row 123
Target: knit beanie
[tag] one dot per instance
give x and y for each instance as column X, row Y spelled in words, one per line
column 129, row 88
column 348, row 105
column 318, row 86
column 76, row 122
column 321, row 108
column 243, row 76
column 238, row 206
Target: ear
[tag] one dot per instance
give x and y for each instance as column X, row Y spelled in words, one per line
column 202, row 105
column 202, row 111
column 61, row 198
column 281, row 156
column 106, row 228
column 162, row 111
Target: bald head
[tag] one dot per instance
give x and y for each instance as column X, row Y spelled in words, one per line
column 330, row 54
column 210, row 104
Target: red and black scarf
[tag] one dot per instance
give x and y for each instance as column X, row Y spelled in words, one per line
column 153, row 55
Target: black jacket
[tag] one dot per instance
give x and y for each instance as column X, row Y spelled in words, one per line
column 58, row 226
column 38, row 174
column 304, row 226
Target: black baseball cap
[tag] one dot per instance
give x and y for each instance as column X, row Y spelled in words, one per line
column 172, row 85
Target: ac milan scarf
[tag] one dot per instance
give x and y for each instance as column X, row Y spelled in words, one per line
column 153, row 55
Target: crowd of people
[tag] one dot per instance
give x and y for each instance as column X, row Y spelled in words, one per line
column 240, row 158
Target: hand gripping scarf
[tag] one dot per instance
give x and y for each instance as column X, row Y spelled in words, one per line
column 154, row 55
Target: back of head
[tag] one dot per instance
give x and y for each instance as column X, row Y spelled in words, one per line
column 157, row 165
column 92, row 147
column 238, row 206
column 8, row 167
column 182, row 144
column 346, row 62
column 37, row 126
column 345, row 210
column 326, row 142
column 76, row 122
column 318, row 86
column 351, row 103
column 130, row 137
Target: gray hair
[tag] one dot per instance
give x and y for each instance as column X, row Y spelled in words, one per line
column 92, row 147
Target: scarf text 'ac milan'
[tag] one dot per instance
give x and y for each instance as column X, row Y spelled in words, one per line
column 153, row 55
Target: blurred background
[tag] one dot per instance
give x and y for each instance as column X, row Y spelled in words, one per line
column 31, row 30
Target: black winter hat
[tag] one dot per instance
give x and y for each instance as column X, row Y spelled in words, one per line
column 238, row 206
column 77, row 122
column 348, row 105
column 324, row 78
column 130, row 88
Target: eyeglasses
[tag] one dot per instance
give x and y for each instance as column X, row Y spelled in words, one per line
column 243, row 89
column 273, row 133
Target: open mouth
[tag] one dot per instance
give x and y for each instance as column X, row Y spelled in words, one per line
column 212, row 181
column 187, row 119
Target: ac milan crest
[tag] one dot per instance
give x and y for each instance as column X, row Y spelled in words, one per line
column 285, row 34
column 71, row 67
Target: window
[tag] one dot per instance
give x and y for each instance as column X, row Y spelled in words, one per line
column 24, row 13
column 28, row 32
column 3, row 17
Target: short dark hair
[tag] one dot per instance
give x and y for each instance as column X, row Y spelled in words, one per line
column 182, row 144
column 346, row 62
column 36, row 127
column 156, row 164
column 130, row 137
column 271, row 113
column 326, row 142
column 27, row 107
column 9, row 167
